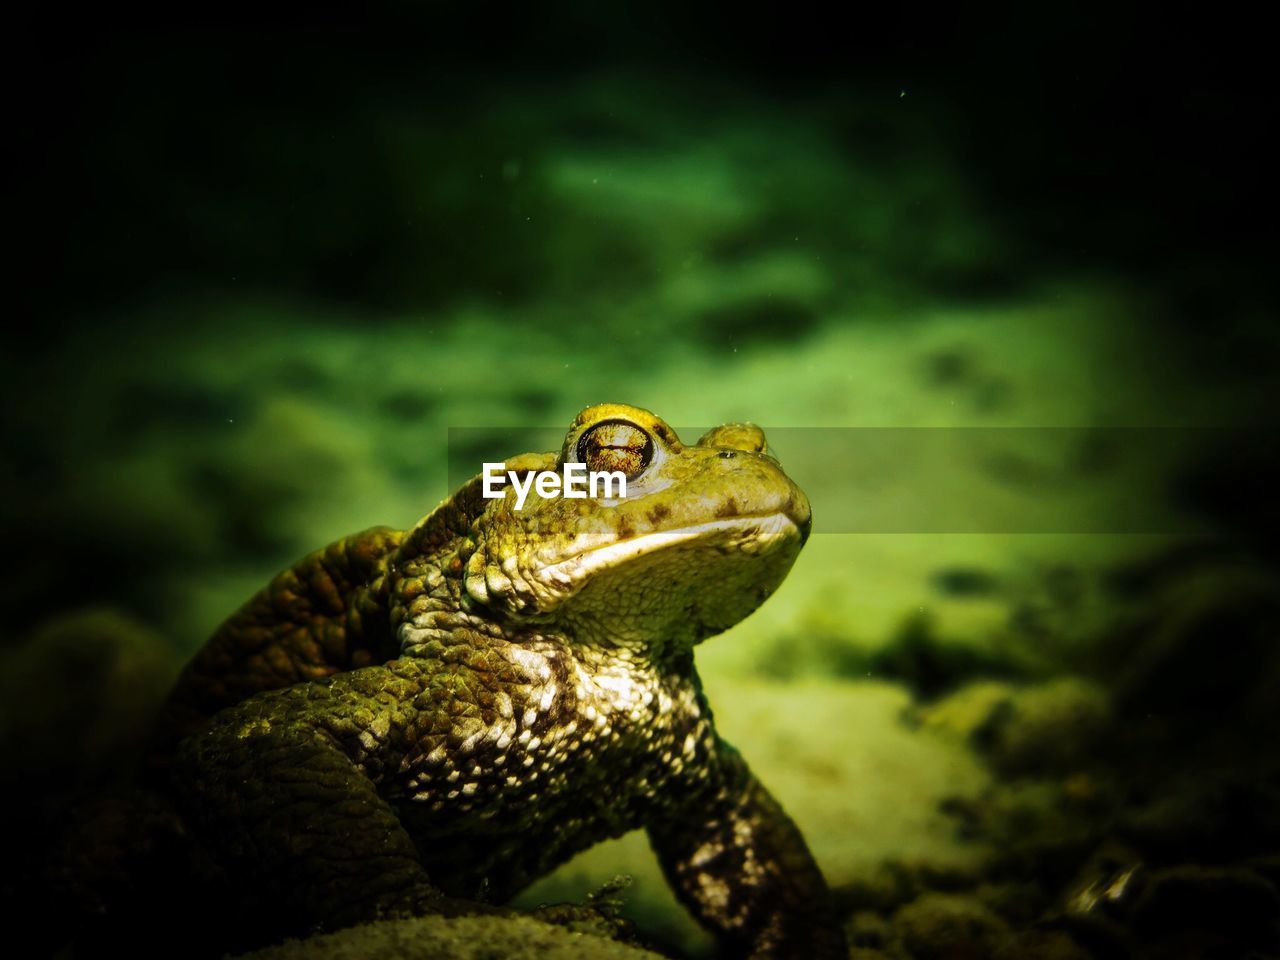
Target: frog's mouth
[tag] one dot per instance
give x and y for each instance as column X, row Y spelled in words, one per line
column 747, row 535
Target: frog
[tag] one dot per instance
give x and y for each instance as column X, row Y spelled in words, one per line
column 407, row 722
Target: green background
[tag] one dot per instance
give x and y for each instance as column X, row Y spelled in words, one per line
column 264, row 268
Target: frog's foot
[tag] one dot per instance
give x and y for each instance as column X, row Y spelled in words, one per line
column 600, row 915
column 586, row 918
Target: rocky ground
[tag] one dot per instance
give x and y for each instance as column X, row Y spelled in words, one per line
column 1124, row 808
column 456, row 938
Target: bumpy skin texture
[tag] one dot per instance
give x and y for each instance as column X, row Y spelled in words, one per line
column 401, row 722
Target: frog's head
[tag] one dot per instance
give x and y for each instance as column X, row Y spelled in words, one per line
column 704, row 534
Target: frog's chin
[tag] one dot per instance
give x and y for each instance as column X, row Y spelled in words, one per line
column 728, row 564
column 676, row 586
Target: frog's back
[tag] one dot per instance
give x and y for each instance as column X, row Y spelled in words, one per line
column 326, row 614
column 329, row 613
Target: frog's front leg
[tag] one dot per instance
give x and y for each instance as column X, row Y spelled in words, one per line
column 740, row 864
column 282, row 791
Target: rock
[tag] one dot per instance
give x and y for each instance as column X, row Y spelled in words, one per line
column 944, row 877
column 866, row 929
column 969, row 712
column 1228, row 911
column 1045, row 728
column 1018, row 903
column 453, row 938
column 882, row 889
column 1051, row 728
column 1194, row 818
column 1266, row 866
column 1038, row 945
column 940, row 926
column 122, row 875
column 77, row 697
column 1033, row 835
column 1101, row 937
column 1208, row 653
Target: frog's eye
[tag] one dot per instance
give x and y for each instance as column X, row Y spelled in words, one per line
column 616, row 445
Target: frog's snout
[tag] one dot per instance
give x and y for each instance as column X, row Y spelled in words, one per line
column 799, row 512
column 759, row 484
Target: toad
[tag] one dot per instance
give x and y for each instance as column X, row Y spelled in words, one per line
column 406, row 720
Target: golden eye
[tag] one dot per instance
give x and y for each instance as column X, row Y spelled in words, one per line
column 616, row 445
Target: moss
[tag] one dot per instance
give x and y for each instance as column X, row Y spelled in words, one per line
column 453, row 938
column 1045, row 728
column 948, row 927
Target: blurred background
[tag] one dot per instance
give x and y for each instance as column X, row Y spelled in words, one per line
column 264, row 266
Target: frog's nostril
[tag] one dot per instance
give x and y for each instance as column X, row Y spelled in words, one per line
column 746, row 437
